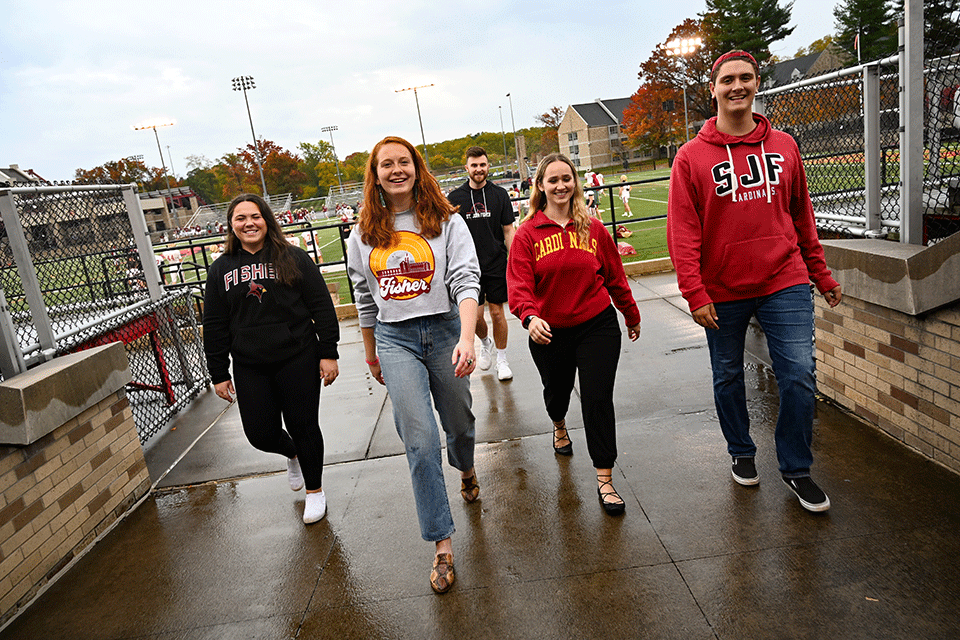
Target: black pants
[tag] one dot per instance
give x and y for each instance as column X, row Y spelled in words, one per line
column 289, row 390
column 593, row 349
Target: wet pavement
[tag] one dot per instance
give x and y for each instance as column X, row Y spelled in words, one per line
column 218, row 550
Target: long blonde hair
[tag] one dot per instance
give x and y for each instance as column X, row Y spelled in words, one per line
column 578, row 209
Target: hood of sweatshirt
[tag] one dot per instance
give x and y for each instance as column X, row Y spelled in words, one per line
column 709, row 134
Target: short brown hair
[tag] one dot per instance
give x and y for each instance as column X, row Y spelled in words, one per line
column 476, row 152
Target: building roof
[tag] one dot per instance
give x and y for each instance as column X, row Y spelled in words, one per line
column 598, row 113
column 14, row 173
column 814, row 64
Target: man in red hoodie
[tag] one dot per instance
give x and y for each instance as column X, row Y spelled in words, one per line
column 743, row 240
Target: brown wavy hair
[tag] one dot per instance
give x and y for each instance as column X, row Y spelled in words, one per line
column 431, row 207
column 279, row 251
column 578, row 209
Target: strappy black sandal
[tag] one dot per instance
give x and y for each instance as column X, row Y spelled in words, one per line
column 612, row 508
column 567, row 449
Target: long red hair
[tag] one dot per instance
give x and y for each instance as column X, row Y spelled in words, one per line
column 430, row 206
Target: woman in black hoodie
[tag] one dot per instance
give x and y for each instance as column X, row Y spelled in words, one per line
column 267, row 307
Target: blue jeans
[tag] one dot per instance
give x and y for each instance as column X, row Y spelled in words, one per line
column 415, row 360
column 786, row 318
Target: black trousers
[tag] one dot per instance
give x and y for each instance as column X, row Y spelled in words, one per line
column 280, row 394
column 592, row 349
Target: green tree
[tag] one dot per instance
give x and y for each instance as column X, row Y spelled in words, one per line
column 941, row 26
column 873, row 21
column 318, row 180
column 751, row 25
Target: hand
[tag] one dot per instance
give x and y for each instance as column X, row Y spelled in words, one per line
column 329, row 370
column 706, row 316
column 833, row 297
column 464, row 358
column 539, row 330
column 376, row 372
column 633, row 332
column 225, row 390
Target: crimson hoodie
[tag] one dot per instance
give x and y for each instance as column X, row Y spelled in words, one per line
column 739, row 218
column 552, row 276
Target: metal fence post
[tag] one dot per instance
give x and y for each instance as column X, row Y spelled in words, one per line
column 911, row 123
column 871, row 145
column 28, row 274
column 141, row 236
column 11, row 358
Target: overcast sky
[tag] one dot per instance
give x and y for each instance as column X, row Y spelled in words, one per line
column 75, row 76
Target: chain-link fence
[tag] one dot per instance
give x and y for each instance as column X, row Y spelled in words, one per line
column 74, row 275
column 838, row 118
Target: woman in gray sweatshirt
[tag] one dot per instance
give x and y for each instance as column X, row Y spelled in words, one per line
column 416, row 281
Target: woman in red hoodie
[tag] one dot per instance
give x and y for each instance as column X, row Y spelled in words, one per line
column 743, row 241
column 562, row 271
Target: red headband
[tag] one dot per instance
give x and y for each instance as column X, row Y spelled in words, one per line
column 733, row 54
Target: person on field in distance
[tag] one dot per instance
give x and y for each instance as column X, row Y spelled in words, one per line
column 416, row 281
column 267, row 307
column 563, row 271
column 489, row 215
column 743, row 240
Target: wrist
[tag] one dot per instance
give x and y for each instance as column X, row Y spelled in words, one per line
column 376, row 360
column 525, row 323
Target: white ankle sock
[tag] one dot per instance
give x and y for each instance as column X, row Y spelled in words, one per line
column 487, row 343
column 294, row 474
column 501, row 356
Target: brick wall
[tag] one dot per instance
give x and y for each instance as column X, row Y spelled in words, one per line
column 60, row 492
column 897, row 371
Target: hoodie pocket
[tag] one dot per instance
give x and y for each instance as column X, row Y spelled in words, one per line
column 750, row 264
column 265, row 343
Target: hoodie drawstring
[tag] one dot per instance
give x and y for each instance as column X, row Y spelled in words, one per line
column 763, row 170
column 733, row 174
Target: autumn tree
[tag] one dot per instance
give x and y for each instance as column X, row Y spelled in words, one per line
column 125, row 171
column 817, row 46
column 551, row 120
column 664, row 72
column 647, row 123
column 751, row 25
column 873, row 21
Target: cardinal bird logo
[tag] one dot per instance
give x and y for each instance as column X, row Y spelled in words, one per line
column 256, row 290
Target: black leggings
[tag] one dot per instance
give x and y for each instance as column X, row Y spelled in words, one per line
column 593, row 349
column 291, row 390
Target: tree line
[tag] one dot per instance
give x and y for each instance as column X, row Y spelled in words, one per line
column 311, row 170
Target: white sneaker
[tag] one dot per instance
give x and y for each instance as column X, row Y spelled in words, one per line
column 503, row 370
column 485, row 359
column 294, row 475
column 315, row 507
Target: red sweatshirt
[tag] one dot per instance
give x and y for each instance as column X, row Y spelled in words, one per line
column 551, row 276
column 739, row 219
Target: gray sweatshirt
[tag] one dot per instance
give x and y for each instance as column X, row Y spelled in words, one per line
column 416, row 277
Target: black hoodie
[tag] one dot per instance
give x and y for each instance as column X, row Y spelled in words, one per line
column 254, row 319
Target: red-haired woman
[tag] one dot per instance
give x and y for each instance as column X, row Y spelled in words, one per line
column 563, row 270
column 416, row 282
column 267, row 307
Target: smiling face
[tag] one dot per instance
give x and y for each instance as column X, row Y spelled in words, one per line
column 558, row 185
column 734, row 88
column 477, row 169
column 396, row 175
column 249, row 226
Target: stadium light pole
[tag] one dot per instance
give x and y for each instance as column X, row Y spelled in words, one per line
column 503, row 134
column 683, row 47
column 331, row 129
column 426, row 156
column 173, row 171
column 516, row 152
column 154, row 125
column 242, row 83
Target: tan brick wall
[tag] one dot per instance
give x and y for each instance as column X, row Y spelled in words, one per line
column 898, row 371
column 59, row 493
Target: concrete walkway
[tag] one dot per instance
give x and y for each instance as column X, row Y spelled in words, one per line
column 218, row 550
